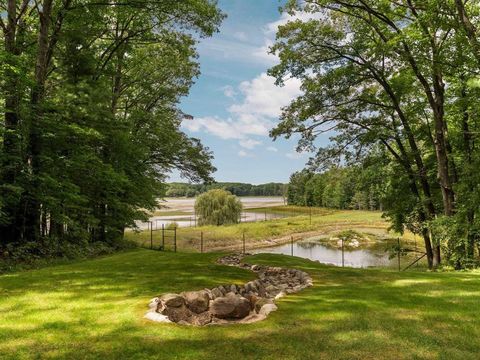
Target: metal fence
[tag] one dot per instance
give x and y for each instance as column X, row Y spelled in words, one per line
column 170, row 238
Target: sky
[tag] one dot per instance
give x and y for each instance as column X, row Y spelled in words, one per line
column 235, row 103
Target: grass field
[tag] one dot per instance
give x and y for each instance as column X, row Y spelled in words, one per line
column 264, row 233
column 93, row 310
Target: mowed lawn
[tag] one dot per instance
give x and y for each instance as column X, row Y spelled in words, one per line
column 94, row 310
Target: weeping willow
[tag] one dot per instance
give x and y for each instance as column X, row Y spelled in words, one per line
column 218, row 207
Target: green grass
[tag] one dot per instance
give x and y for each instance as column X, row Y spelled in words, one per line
column 260, row 233
column 93, row 310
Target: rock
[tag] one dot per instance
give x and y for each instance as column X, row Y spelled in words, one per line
column 267, row 309
column 230, row 306
column 172, row 300
column 154, row 303
column 202, row 319
column 154, row 316
column 271, row 288
column 177, row 314
column 197, row 301
column 216, row 293
column 222, row 307
column 227, row 304
column 253, row 299
column 252, row 319
column 260, row 303
column 222, row 290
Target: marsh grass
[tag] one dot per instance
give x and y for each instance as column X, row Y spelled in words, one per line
column 263, row 233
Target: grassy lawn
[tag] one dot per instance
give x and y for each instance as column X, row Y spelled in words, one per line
column 257, row 233
column 93, row 310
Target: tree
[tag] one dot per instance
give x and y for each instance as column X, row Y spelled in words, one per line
column 87, row 139
column 218, row 207
column 396, row 74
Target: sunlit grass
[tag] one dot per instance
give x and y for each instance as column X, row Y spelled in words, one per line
column 93, row 310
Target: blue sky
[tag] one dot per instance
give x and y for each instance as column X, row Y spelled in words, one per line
column 235, row 103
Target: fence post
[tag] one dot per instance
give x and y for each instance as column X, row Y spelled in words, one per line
column 310, row 215
column 291, row 245
column 163, row 237
column 398, row 253
column 151, row 235
column 201, row 242
column 343, row 254
column 265, row 215
column 244, row 242
column 175, row 239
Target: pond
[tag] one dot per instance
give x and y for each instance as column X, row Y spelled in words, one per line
column 316, row 251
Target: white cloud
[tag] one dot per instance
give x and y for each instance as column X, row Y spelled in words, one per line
column 226, row 128
column 258, row 102
column 229, row 91
column 263, row 98
column 249, row 143
column 240, row 35
column 255, row 115
column 242, row 153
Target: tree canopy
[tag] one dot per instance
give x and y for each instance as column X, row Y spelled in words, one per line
column 91, row 126
column 218, row 207
column 402, row 75
column 238, row 189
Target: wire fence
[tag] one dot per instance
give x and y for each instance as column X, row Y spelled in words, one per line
column 400, row 255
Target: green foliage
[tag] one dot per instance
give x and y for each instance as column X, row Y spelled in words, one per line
column 338, row 188
column 396, row 80
column 238, row 189
column 89, row 153
column 218, row 207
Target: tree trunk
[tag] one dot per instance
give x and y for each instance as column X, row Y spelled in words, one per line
column 32, row 231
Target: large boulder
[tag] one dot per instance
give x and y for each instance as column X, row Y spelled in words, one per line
column 177, row 314
column 197, row 301
column 172, row 300
column 231, row 306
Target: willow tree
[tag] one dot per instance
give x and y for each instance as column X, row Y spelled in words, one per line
column 218, row 207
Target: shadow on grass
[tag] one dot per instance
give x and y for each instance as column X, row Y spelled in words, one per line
column 94, row 309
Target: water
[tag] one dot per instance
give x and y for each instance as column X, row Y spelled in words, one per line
column 357, row 258
column 187, row 204
column 189, row 220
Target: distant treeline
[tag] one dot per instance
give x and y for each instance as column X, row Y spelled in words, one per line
column 238, row 189
column 338, row 188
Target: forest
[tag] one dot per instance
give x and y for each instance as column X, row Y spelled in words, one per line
column 338, row 188
column 238, row 189
column 87, row 139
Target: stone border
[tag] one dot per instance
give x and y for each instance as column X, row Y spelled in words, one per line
column 228, row 304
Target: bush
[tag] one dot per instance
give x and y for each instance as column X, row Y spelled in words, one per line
column 49, row 250
column 218, row 207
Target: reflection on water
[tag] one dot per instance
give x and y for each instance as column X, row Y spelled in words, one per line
column 357, row 258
